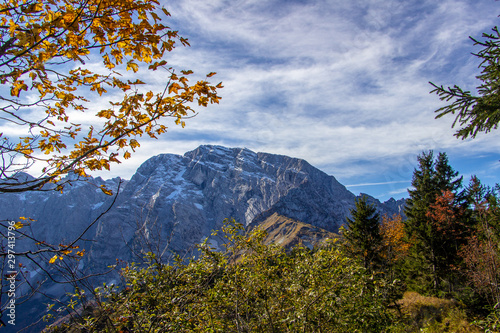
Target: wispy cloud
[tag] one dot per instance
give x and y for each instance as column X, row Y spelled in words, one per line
column 377, row 184
column 343, row 84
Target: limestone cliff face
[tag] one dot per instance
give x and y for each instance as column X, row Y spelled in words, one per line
column 58, row 217
column 173, row 202
column 176, row 201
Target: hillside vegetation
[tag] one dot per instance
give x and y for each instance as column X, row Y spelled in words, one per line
column 249, row 287
column 436, row 270
column 255, row 285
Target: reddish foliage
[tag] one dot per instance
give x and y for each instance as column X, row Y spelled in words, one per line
column 446, row 216
column 482, row 260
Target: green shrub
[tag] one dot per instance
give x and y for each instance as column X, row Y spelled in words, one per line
column 249, row 287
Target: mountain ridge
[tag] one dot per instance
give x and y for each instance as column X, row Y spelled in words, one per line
column 193, row 193
column 174, row 202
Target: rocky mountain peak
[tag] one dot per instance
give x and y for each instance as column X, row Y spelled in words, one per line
column 186, row 197
column 174, row 202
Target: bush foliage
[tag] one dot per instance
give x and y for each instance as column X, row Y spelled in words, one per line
column 248, row 287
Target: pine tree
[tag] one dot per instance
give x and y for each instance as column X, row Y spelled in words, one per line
column 446, row 178
column 363, row 233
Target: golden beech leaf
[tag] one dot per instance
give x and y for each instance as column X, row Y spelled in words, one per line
column 132, row 66
column 17, row 87
column 134, row 144
column 122, row 143
column 155, row 16
column 105, row 190
column 138, row 82
column 53, row 259
column 106, row 114
column 12, row 27
column 153, row 66
column 165, row 12
column 173, row 88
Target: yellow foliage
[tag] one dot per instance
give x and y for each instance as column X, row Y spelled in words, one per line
column 41, row 36
column 393, row 237
column 432, row 314
column 105, row 190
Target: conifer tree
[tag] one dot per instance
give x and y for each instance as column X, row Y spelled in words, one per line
column 430, row 250
column 363, row 233
column 479, row 113
column 481, row 254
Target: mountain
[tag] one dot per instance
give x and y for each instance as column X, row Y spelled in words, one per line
column 58, row 216
column 174, row 202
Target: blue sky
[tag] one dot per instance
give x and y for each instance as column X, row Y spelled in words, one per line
column 342, row 84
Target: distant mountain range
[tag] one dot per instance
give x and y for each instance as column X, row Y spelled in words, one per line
column 174, row 202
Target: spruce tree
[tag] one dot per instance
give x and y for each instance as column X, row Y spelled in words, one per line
column 478, row 113
column 363, row 233
column 431, row 252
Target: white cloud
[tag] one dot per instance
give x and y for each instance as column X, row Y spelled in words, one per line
column 343, row 84
column 376, row 184
column 334, row 82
